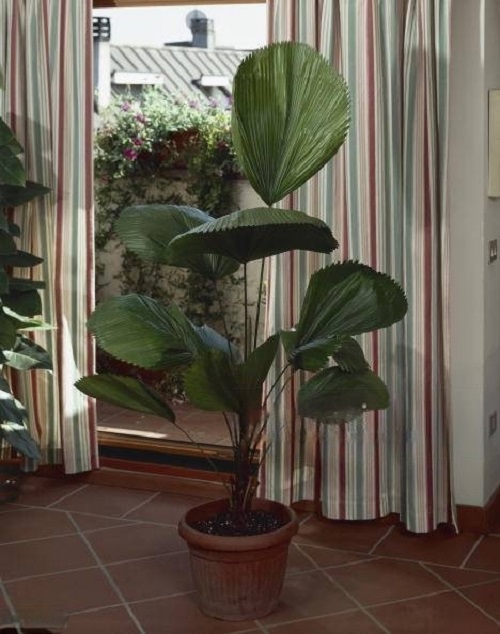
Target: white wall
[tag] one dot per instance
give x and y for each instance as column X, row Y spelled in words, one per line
column 475, row 284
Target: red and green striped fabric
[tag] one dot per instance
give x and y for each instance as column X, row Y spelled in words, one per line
column 385, row 198
column 45, row 56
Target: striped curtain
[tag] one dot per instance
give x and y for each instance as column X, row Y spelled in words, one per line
column 45, row 56
column 384, row 196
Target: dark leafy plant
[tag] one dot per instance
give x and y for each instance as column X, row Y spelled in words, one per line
column 20, row 300
column 290, row 116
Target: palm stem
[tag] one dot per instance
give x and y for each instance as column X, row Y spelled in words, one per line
column 259, row 301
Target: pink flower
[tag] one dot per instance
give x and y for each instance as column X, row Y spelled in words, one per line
column 125, row 106
column 138, row 142
column 130, row 154
column 140, row 118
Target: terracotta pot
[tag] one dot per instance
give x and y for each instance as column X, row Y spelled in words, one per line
column 238, row 578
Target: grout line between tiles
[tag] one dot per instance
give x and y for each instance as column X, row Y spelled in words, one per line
column 379, row 541
column 461, row 594
column 11, row 608
column 305, row 519
column 348, row 594
column 392, row 557
column 261, row 627
column 50, row 574
column 474, row 546
column 109, row 577
column 68, row 495
column 138, row 506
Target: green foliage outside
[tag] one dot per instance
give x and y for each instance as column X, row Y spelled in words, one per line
column 171, row 150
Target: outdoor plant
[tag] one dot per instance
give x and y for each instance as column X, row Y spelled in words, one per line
column 20, row 300
column 144, row 149
column 290, row 116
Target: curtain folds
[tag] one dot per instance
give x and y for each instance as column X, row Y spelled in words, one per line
column 47, row 100
column 384, row 196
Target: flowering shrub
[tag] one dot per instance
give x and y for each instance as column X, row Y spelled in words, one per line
column 150, row 136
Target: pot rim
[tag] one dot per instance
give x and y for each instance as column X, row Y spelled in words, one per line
column 235, row 543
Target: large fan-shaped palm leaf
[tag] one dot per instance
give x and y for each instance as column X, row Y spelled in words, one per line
column 290, row 116
column 127, row 392
column 251, row 234
column 147, row 230
column 346, row 299
column 335, row 396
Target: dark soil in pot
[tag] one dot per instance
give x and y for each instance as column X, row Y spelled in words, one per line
column 253, row 523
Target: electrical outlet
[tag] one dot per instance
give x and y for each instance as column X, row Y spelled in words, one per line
column 493, row 424
column 492, row 251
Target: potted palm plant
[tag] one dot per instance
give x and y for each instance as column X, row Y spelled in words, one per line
column 290, row 116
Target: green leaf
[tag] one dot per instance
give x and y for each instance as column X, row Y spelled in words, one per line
column 8, row 332
column 253, row 372
column 348, row 299
column 21, row 322
column 333, row 396
column 211, row 339
column 11, row 169
column 20, row 259
column 4, row 281
column 148, row 229
column 23, row 284
column 349, row 356
column 210, row 383
column 7, row 138
column 25, row 303
column 312, row 356
column 7, row 244
column 13, row 423
column 290, row 116
column 215, row 383
column 251, row 234
column 27, row 355
column 140, row 331
column 125, row 392
column 4, row 223
column 15, row 195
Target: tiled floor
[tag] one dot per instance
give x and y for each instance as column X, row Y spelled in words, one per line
column 110, row 560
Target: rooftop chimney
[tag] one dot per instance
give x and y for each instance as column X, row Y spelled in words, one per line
column 102, row 61
column 203, row 32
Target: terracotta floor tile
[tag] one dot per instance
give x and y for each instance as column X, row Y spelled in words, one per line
column 181, row 615
column 107, row 621
column 486, row 555
column 24, row 559
column 62, row 593
column 356, row 536
column 95, row 522
column 460, row 577
column 297, row 562
column 40, row 491
column 445, row 613
column 154, row 577
column 108, row 501
column 166, row 508
column 308, row 594
column 351, row 623
column 24, row 524
column 131, row 542
column 439, row 547
column 487, row 596
column 328, row 557
column 383, row 580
